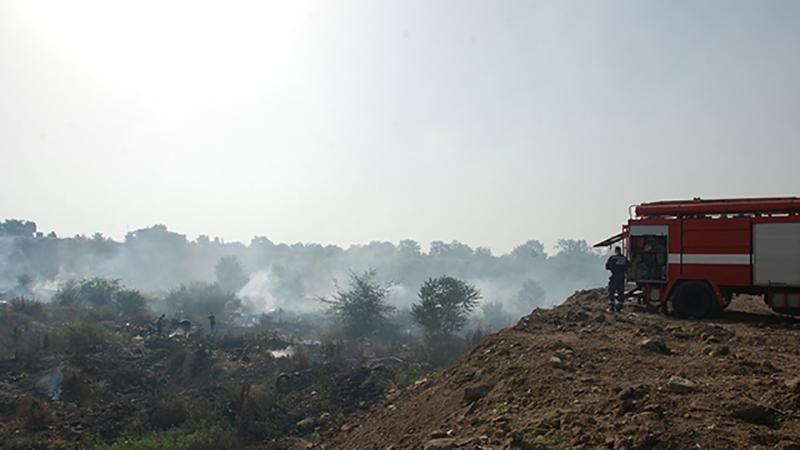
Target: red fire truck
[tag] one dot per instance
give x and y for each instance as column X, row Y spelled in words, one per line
column 696, row 254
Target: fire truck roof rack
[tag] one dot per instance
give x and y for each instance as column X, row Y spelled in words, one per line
column 701, row 207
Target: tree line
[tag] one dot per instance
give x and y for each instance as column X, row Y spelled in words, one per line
column 270, row 275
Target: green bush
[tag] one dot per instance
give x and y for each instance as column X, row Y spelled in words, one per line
column 362, row 310
column 444, row 305
column 501, row 407
column 76, row 386
column 197, row 299
column 130, row 302
column 29, row 307
column 168, row 413
column 259, row 412
column 176, row 360
column 34, row 414
column 105, row 297
column 84, row 337
column 408, row 376
column 538, row 442
column 214, row 437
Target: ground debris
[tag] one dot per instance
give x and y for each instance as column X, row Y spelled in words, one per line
column 680, row 385
column 640, row 380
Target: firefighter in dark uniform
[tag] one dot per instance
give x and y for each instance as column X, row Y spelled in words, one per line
column 160, row 325
column 212, row 322
column 617, row 264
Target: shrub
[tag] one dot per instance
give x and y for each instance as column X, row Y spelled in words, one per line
column 501, row 407
column 176, row 360
column 408, row 376
column 198, row 299
column 168, row 413
column 76, row 387
column 202, row 411
column 84, row 337
column 445, row 303
column 214, row 437
column 105, row 297
column 29, row 307
column 231, row 276
column 28, row 338
column 259, row 412
column 34, row 414
column 540, row 442
column 130, row 302
column 362, row 310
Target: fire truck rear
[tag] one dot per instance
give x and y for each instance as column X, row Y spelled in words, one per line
column 696, row 254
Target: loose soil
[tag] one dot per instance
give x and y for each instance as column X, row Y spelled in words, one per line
column 576, row 376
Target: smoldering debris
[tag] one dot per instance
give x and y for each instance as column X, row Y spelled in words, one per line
column 51, row 383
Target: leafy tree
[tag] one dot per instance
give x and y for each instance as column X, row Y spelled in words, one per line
column 530, row 249
column 484, row 252
column 94, row 292
column 130, row 302
column 530, row 295
column 162, row 258
column 68, row 294
column 99, row 291
column 408, row 247
column 288, row 283
column 231, row 276
column 576, row 259
column 445, row 304
column 573, row 246
column 104, row 293
column 24, row 283
column 454, row 249
column 495, row 315
column 361, row 309
column 27, row 306
column 198, row 298
column 16, row 227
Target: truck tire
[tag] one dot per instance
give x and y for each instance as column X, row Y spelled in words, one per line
column 693, row 300
column 726, row 301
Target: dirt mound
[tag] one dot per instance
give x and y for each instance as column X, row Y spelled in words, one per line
column 578, row 377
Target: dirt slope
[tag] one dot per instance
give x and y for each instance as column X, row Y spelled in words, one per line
column 579, row 377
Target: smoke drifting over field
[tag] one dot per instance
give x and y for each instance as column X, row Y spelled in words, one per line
column 293, row 277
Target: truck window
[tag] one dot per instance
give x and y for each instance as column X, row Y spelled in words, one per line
column 648, row 255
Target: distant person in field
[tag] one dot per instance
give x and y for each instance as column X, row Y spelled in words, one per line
column 617, row 264
column 160, row 325
column 212, row 322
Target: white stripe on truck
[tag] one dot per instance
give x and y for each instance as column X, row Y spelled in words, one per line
column 710, row 258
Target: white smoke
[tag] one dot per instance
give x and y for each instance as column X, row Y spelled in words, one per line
column 257, row 295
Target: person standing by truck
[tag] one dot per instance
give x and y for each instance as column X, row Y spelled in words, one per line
column 618, row 265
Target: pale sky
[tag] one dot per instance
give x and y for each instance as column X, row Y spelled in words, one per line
column 489, row 122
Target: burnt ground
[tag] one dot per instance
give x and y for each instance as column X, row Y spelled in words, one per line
column 139, row 384
column 576, row 376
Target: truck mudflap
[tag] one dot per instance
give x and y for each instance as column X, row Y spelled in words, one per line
column 784, row 301
column 650, row 295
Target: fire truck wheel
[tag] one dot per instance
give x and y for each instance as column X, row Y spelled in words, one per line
column 693, row 299
column 718, row 308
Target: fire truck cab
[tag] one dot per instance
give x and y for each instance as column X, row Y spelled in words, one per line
column 696, row 254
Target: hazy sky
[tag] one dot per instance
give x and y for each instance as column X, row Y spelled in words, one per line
column 490, row 122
